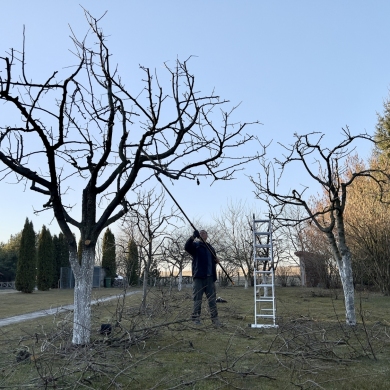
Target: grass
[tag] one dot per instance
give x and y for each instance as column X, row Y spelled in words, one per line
column 311, row 349
column 13, row 302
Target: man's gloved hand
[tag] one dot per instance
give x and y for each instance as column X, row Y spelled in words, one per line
column 196, row 234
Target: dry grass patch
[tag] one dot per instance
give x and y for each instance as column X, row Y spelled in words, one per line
column 161, row 349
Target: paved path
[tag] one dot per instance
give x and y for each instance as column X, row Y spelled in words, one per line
column 55, row 310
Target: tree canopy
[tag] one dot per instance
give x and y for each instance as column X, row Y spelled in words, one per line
column 88, row 132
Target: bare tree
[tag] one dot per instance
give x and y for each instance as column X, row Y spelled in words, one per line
column 326, row 167
column 83, row 130
column 149, row 220
column 306, row 242
column 174, row 255
column 235, row 238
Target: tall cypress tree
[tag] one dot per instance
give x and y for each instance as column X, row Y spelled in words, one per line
column 132, row 264
column 109, row 254
column 61, row 257
column 45, row 259
column 56, row 266
column 26, row 268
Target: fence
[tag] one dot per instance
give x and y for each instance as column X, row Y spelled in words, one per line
column 67, row 277
column 7, row 285
column 172, row 281
column 187, row 280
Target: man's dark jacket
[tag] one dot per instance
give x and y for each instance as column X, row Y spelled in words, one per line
column 199, row 253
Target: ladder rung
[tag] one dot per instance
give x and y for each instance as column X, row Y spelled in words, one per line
column 262, row 246
column 265, row 300
column 261, row 220
column 263, row 258
column 264, row 285
column 262, row 233
column 265, row 315
column 264, row 272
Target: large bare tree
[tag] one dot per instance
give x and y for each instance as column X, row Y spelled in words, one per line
column 83, row 130
column 326, row 168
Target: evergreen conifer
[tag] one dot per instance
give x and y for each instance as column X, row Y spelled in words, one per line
column 9, row 253
column 26, row 267
column 45, row 260
column 109, row 254
column 61, row 257
column 132, row 264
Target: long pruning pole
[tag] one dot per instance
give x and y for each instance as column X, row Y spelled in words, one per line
column 207, row 245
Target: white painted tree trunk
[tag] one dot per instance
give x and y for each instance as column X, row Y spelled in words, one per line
column 246, row 285
column 342, row 255
column 180, row 280
column 346, row 276
column 82, row 296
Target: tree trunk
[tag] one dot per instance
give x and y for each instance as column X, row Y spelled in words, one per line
column 342, row 255
column 179, row 285
column 346, row 276
column 144, row 290
column 247, row 277
column 266, row 281
column 82, row 296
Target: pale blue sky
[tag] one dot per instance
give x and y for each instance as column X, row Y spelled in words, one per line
column 296, row 66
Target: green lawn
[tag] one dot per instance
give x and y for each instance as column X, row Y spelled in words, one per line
column 13, row 302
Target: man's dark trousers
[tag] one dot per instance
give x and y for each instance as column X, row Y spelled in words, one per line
column 201, row 286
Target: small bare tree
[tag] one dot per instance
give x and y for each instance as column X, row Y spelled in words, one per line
column 304, row 239
column 325, row 167
column 235, row 238
column 84, row 130
column 150, row 220
column 174, row 255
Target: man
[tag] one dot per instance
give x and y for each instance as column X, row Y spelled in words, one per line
column 204, row 274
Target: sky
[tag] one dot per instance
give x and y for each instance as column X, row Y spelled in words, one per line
column 295, row 66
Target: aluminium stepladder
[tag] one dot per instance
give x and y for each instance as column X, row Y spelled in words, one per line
column 263, row 274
